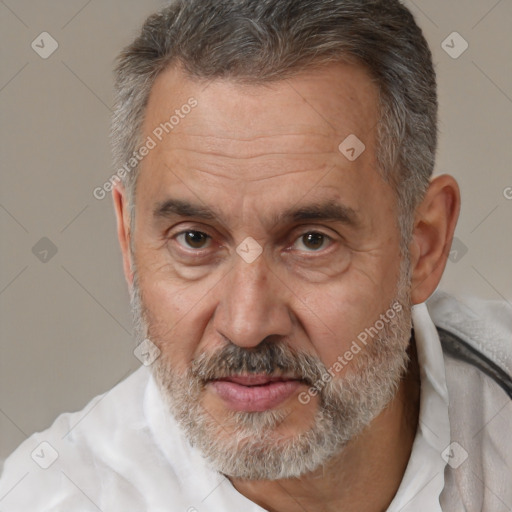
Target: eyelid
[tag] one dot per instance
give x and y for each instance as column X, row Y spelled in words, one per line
column 329, row 239
column 187, row 226
column 314, row 228
column 191, row 249
column 297, row 233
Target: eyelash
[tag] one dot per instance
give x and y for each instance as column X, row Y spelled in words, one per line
column 182, row 233
column 199, row 252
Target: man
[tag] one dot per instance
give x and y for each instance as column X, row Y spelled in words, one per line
column 281, row 231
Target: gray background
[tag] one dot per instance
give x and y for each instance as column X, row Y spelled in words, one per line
column 65, row 320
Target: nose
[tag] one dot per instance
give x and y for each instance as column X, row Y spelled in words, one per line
column 252, row 305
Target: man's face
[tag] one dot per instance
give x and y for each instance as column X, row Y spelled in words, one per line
column 244, row 334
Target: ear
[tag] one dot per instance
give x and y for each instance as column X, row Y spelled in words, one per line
column 434, row 225
column 123, row 229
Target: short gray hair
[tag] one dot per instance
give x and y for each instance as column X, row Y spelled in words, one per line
column 260, row 41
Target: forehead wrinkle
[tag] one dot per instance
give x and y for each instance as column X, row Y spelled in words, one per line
column 257, row 156
column 233, row 176
column 261, row 146
column 187, row 131
column 252, row 156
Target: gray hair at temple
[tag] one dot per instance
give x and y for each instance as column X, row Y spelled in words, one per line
column 260, row 41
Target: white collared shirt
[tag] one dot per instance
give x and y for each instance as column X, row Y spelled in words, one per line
column 124, row 452
column 423, row 480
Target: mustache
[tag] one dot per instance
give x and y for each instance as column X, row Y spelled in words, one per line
column 268, row 358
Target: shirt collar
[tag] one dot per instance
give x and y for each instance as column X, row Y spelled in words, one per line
column 423, row 480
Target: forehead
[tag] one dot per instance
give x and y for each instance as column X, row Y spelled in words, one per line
column 336, row 98
column 275, row 135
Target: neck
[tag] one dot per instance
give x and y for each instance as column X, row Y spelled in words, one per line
column 375, row 460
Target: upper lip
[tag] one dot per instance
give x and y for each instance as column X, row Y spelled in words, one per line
column 255, row 380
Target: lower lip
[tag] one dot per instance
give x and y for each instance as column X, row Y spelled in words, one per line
column 255, row 398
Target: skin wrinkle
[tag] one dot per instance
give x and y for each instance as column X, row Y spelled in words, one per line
column 329, row 211
column 197, row 311
column 172, row 384
column 371, row 88
column 235, row 137
column 327, row 165
column 362, row 228
column 258, row 179
column 252, row 156
column 218, row 216
column 262, row 156
column 197, row 308
column 393, row 27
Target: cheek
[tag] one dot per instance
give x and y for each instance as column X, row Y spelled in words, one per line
column 336, row 315
column 177, row 316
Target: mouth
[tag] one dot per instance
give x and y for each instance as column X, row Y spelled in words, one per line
column 254, row 393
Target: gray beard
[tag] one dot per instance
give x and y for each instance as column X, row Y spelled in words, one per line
column 251, row 445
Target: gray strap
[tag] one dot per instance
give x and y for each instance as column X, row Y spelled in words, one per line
column 460, row 349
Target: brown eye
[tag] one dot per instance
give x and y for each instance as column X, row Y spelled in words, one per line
column 312, row 241
column 193, row 239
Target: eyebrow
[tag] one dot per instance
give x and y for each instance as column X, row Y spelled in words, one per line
column 180, row 208
column 328, row 210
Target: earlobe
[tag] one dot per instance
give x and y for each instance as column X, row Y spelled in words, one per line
column 123, row 229
column 434, row 226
